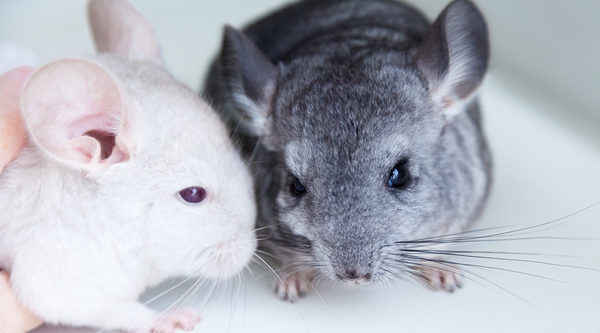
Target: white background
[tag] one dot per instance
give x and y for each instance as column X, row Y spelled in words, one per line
column 542, row 116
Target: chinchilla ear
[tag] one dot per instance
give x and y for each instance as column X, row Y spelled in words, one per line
column 454, row 56
column 76, row 112
column 120, row 29
column 250, row 78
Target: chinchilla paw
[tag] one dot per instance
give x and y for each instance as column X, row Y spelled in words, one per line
column 440, row 277
column 292, row 287
column 167, row 322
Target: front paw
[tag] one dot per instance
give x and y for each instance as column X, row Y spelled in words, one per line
column 167, row 322
column 439, row 276
column 292, row 287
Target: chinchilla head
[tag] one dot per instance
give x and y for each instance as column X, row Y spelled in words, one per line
column 116, row 142
column 375, row 138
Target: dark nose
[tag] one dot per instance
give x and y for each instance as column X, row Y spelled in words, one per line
column 352, row 274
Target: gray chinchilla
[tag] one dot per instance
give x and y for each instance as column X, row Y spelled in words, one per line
column 364, row 135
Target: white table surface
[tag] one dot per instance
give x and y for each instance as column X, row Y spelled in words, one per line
column 544, row 170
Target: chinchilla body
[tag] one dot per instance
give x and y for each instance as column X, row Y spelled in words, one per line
column 362, row 130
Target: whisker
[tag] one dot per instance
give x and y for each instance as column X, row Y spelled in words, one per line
column 525, row 228
column 174, row 303
column 451, row 253
column 448, row 235
column 482, row 266
column 230, row 310
column 259, row 288
column 481, row 284
column 268, row 266
column 268, row 226
column 256, row 146
column 264, row 238
column 172, row 288
column 241, row 276
column 449, row 238
column 237, row 126
column 187, row 300
column 267, row 253
column 318, row 294
column 212, row 292
column 479, row 240
column 508, row 253
column 395, row 275
column 256, row 162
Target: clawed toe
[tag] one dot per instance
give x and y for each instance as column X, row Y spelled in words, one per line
column 291, row 288
column 436, row 277
column 167, row 322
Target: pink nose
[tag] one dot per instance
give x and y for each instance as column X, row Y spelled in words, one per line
column 352, row 274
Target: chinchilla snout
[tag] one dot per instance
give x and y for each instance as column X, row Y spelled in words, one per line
column 351, row 261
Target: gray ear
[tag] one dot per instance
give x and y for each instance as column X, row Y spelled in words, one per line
column 454, row 56
column 250, row 79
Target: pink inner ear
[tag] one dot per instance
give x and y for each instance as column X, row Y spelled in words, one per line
column 94, row 126
column 119, row 29
column 70, row 99
column 106, row 140
column 13, row 134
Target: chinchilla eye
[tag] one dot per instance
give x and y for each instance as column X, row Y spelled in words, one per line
column 399, row 176
column 193, row 194
column 297, row 187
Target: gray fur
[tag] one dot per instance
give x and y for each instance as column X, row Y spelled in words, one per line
column 354, row 96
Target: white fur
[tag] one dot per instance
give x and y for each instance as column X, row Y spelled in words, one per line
column 82, row 243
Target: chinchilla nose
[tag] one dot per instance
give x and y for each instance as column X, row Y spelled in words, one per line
column 352, row 274
column 351, row 262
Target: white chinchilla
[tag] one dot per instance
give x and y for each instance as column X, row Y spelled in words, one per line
column 126, row 178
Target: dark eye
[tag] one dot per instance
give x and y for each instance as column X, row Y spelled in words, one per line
column 399, row 176
column 193, row 194
column 297, row 187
